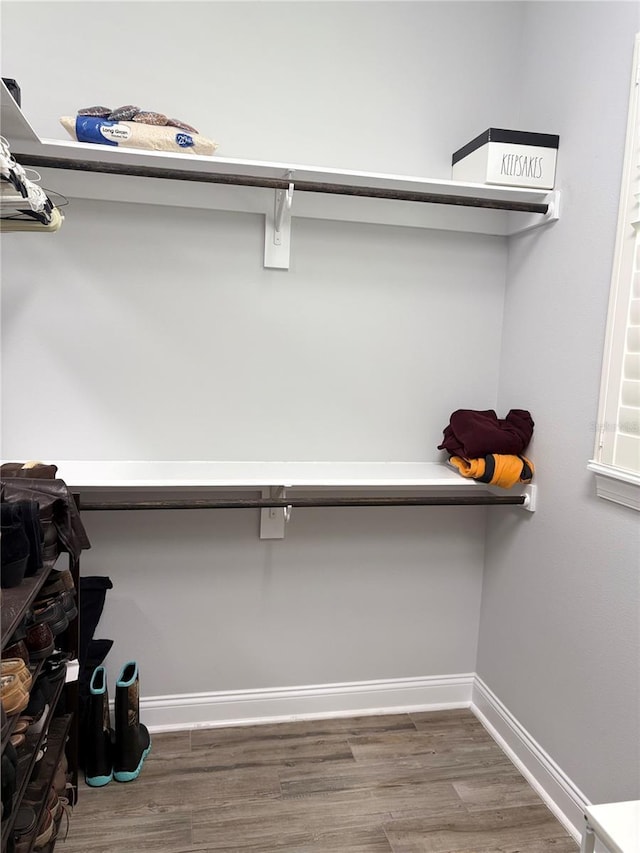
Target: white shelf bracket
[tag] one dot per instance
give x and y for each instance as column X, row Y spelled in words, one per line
column 273, row 519
column 529, row 492
column 277, row 234
column 531, row 498
column 519, row 223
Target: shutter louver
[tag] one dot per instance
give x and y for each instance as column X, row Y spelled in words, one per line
column 627, row 441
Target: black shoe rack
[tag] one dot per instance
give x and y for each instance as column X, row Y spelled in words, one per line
column 59, row 731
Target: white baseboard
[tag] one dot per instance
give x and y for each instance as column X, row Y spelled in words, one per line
column 555, row 788
column 285, row 704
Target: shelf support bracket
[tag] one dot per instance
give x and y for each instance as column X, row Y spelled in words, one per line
column 531, row 495
column 277, row 234
column 273, row 519
column 519, row 223
column 528, row 492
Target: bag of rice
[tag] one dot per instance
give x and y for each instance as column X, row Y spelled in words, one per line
column 129, row 134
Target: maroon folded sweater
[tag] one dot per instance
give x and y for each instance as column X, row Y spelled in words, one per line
column 473, row 433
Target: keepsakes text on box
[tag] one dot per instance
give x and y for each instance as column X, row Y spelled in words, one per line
column 513, row 158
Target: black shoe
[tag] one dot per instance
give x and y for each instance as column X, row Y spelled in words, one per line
column 66, row 599
column 55, row 666
column 26, row 513
column 38, row 697
column 53, row 613
column 8, row 785
column 25, row 821
column 14, row 547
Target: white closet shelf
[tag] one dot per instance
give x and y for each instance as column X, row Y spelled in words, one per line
column 335, row 476
column 185, row 180
column 139, row 485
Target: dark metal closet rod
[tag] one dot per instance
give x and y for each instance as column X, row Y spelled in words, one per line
column 275, row 183
column 264, row 503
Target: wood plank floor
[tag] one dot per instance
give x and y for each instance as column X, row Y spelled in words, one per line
column 409, row 783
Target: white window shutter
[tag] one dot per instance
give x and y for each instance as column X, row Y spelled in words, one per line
column 626, row 449
column 617, row 451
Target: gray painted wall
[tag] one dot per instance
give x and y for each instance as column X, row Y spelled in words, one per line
column 560, row 610
column 385, row 86
column 156, row 333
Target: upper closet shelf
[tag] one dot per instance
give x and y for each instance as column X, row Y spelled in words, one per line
column 100, row 476
column 277, row 190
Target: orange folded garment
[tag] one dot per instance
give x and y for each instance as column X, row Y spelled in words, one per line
column 496, row 469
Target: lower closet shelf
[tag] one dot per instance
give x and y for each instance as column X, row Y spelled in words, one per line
column 276, row 488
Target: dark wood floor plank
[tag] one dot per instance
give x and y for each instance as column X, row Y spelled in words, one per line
column 434, row 749
column 209, row 762
column 420, row 844
column 341, row 841
column 512, row 829
column 496, row 792
column 304, row 781
column 273, row 753
column 291, row 823
column 274, row 838
column 179, row 791
column 170, row 743
column 280, row 732
column 159, row 833
column 445, row 720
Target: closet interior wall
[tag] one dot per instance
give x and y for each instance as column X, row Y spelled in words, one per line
column 155, row 332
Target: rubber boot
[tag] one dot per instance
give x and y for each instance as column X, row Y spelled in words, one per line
column 92, row 592
column 133, row 742
column 96, row 653
column 98, row 759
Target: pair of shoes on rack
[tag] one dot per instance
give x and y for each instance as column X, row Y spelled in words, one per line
column 60, row 580
column 31, row 724
column 16, row 666
column 62, row 781
column 48, row 618
column 33, row 639
column 13, row 694
column 53, row 612
column 46, row 687
column 56, row 806
column 56, row 601
column 17, row 649
column 21, row 695
column 39, row 639
column 27, row 824
column 117, row 753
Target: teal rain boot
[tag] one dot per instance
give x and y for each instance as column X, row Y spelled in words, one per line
column 133, row 742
